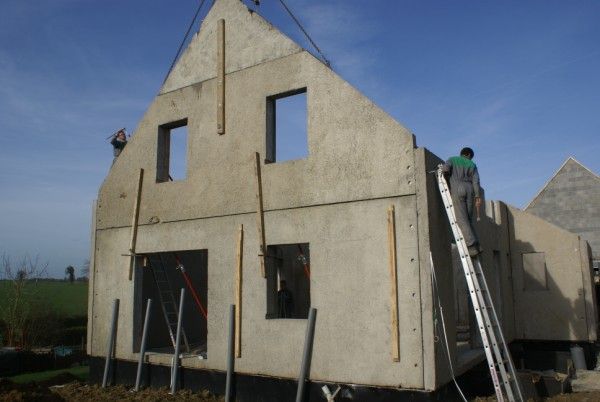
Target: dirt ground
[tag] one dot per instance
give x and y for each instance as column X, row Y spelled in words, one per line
column 70, row 390
column 84, row 392
column 579, row 397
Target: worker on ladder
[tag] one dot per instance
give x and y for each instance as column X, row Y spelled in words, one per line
column 465, row 191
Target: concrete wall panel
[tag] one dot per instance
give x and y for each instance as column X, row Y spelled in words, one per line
column 356, row 151
column 249, row 40
column 558, row 313
column 110, row 282
column 349, row 287
column 434, row 238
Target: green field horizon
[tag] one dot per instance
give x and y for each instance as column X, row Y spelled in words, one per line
column 62, row 297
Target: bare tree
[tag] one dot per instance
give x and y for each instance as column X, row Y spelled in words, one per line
column 70, row 273
column 85, row 269
column 18, row 307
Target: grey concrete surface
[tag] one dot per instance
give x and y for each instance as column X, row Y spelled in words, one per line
column 249, row 40
column 360, row 162
column 560, row 311
column 571, row 200
column 340, row 123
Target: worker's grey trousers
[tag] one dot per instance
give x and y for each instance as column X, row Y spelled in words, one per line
column 462, row 199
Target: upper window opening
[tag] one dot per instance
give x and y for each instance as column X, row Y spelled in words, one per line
column 287, row 137
column 172, row 151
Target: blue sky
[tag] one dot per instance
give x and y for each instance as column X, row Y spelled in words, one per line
column 519, row 81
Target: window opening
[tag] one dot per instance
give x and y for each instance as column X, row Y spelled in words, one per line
column 534, row 272
column 287, row 137
column 172, row 151
column 163, row 270
column 288, row 281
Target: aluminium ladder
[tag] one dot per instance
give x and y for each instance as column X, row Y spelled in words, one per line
column 169, row 305
column 494, row 344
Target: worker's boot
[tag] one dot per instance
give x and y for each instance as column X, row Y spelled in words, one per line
column 474, row 250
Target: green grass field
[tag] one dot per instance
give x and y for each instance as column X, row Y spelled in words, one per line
column 64, row 297
column 81, row 373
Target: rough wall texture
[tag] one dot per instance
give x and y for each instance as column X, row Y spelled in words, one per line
column 360, row 162
column 354, row 148
column 563, row 305
column 434, row 246
column 249, row 41
column 571, row 200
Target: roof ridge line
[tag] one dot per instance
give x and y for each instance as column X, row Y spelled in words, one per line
column 554, row 175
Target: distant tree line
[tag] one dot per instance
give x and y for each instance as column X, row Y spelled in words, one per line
column 27, row 321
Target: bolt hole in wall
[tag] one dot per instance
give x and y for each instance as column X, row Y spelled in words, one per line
column 288, row 281
column 287, row 137
column 172, row 151
column 150, row 283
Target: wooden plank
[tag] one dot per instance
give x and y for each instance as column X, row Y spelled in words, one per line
column 134, row 223
column 238, row 292
column 260, row 216
column 393, row 284
column 221, row 77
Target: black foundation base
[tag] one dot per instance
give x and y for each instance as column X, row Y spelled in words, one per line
column 253, row 388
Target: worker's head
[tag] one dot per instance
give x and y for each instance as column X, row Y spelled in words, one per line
column 121, row 134
column 467, row 152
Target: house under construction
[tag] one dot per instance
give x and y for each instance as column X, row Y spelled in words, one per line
column 350, row 228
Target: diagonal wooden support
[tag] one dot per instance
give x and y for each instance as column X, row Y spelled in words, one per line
column 260, row 216
column 134, row 223
column 238, row 292
column 391, row 219
column 221, row 76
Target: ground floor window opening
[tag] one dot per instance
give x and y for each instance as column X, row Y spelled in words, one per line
column 161, row 278
column 288, row 281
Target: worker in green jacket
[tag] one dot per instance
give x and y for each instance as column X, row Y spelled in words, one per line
column 466, row 193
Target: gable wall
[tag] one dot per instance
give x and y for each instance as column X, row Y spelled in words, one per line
column 360, row 162
column 250, row 40
column 356, row 151
column 571, row 200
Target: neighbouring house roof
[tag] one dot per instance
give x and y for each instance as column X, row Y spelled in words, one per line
column 571, row 200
